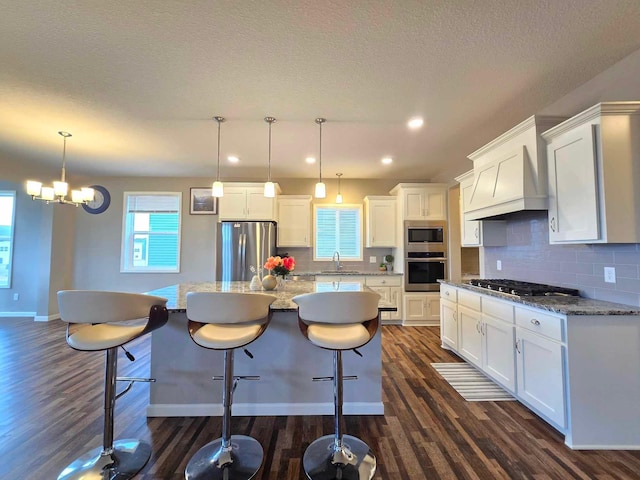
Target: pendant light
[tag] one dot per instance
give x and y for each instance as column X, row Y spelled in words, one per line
column 321, row 191
column 339, row 195
column 269, row 187
column 58, row 192
column 217, row 189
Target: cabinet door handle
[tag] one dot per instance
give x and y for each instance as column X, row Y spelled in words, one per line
column 518, row 346
column 535, row 321
column 552, row 224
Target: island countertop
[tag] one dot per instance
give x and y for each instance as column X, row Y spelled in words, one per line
column 177, row 294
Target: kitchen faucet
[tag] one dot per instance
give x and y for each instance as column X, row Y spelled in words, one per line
column 333, row 259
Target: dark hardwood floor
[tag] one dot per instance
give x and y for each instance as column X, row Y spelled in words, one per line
column 51, row 411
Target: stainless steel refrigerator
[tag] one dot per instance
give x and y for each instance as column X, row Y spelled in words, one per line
column 242, row 245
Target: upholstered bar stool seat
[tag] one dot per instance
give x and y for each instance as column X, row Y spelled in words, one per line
column 99, row 321
column 226, row 321
column 338, row 321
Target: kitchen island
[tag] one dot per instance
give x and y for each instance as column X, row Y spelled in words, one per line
column 283, row 358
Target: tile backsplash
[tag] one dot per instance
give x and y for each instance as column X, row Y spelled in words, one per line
column 529, row 257
column 305, row 263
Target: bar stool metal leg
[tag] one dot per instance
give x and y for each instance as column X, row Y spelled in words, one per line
column 338, row 456
column 119, row 460
column 231, row 457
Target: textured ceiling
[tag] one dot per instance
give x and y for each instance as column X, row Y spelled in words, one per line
column 137, row 83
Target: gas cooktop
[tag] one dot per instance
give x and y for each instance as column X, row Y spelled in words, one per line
column 523, row 289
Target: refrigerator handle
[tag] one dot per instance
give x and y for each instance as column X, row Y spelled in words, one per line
column 243, row 241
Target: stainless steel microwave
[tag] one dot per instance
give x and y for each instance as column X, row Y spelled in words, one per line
column 425, row 236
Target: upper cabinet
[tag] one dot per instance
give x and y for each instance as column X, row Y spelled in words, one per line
column 380, row 213
column 478, row 233
column 594, row 175
column 246, row 201
column 509, row 173
column 422, row 201
column 294, row 221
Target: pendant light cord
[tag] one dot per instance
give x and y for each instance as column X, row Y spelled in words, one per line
column 218, row 173
column 320, row 162
column 269, row 172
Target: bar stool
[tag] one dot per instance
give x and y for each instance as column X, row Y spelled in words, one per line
column 338, row 321
column 226, row 321
column 105, row 321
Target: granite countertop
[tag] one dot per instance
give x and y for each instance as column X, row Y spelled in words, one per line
column 565, row 305
column 348, row 272
column 177, row 294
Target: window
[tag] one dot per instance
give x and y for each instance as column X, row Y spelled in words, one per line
column 338, row 228
column 151, row 232
column 7, row 220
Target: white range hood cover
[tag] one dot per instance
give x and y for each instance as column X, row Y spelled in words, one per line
column 510, row 173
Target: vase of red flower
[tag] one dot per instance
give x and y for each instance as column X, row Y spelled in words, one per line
column 280, row 267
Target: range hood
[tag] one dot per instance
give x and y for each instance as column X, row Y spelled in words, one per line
column 510, row 173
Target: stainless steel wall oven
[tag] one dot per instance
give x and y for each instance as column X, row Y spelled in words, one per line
column 425, row 255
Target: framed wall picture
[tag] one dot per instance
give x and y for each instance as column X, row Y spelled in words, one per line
column 202, row 202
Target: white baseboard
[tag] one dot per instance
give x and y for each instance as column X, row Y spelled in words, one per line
column 17, row 314
column 262, row 409
column 47, row 318
column 602, row 447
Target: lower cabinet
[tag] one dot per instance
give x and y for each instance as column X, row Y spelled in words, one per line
column 470, row 346
column 449, row 323
column 498, row 351
column 541, row 375
column 578, row 372
column 388, row 286
column 421, row 309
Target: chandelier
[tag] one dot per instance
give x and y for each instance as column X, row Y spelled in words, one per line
column 58, row 193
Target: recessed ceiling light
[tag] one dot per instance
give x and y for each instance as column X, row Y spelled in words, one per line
column 387, row 160
column 415, row 123
column 310, row 160
column 233, row 159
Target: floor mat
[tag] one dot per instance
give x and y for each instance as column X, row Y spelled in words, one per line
column 472, row 385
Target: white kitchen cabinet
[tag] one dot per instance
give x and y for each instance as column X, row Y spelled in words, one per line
column 421, row 309
column 390, row 288
column 449, row 323
column 470, row 337
column 294, row 221
column 593, row 176
column 422, row 201
column 498, row 360
column 540, row 375
column 566, row 366
column 478, row 233
column 246, row 201
column 380, row 221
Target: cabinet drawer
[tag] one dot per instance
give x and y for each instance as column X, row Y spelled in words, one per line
column 539, row 322
column 498, row 309
column 384, row 281
column 447, row 292
column 469, row 299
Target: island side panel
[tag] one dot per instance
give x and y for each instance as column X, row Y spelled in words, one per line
column 285, row 362
column 603, row 398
